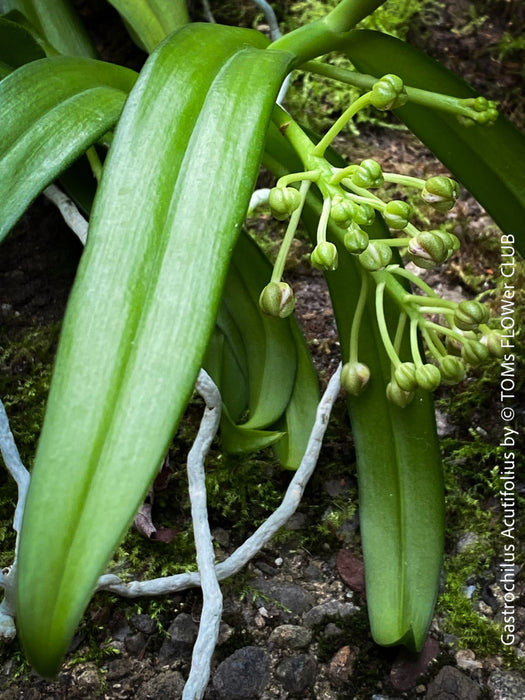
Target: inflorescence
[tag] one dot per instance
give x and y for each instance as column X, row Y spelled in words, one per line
column 455, row 334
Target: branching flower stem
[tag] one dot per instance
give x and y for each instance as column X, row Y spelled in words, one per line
column 278, row 268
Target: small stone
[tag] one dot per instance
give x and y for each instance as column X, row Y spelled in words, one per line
column 327, row 612
column 135, row 643
column 298, row 521
column 225, row 632
column 279, row 561
column 332, row 630
column 506, row 685
column 297, row 673
column 89, row 678
column 466, row 540
column 266, row 568
column 466, row 660
column 143, row 623
column 183, row 633
column 164, row 684
column 221, row 536
column 243, row 675
column 291, row 599
column 312, row 573
column 451, row 684
column 119, row 668
column 409, row 666
column 291, row 636
column 342, row 665
column 351, row 570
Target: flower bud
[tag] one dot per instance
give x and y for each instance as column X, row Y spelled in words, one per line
column 397, row 214
column 324, row 256
column 441, row 193
column 343, row 211
column 449, row 239
column 452, row 369
column 492, row 341
column 354, row 377
column 364, row 215
column 469, row 314
column 397, row 396
column 474, row 352
column 376, row 257
column 368, row 174
column 277, row 299
column 427, row 250
column 283, row 201
column 428, row 377
column 388, row 93
column 405, row 376
column 356, row 240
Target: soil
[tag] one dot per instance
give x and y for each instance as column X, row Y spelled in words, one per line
column 295, row 620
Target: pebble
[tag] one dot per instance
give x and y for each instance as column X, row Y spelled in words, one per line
column 466, row 540
column 183, row 633
column 506, row 685
column 298, row 521
column 289, row 595
column 451, row 684
column 466, row 660
column 136, row 643
column 297, row 673
column 165, row 684
column 143, row 623
column 243, row 675
column 329, row 611
column 221, row 536
column 352, row 571
column 342, row 665
column 291, row 636
column 408, row 666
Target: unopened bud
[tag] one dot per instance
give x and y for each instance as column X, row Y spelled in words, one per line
column 450, row 240
column 354, row 377
column 397, row 396
column 356, row 240
column 405, row 376
column 427, row 250
column 428, row 377
column 441, row 193
column 452, row 369
column 368, row 174
column 364, row 215
column 469, row 314
column 388, row 93
column 376, row 257
column 492, row 341
column 474, row 352
column 397, row 214
column 324, row 256
column 277, row 299
column 283, row 201
column 343, row 211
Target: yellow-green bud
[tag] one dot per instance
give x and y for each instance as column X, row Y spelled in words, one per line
column 368, row 174
column 469, row 314
column 449, row 239
column 343, row 211
column 388, row 93
column 405, row 376
column 277, row 299
column 397, row 214
column 356, row 240
column 354, row 377
column 441, row 192
column 283, row 201
column 452, row 369
column 492, row 341
column 376, row 257
column 428, row 377
column 364, row 215
column 427, row 250
column 397, row 396
column 324, row 256
column 474, row 352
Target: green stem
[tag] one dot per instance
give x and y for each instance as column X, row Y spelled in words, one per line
column 406, row 180
column 323, row 220
column 433, row 304
column 361, row 191
column 312, row 175
column 402, row 272
column 278, row 268
column 94, row 162
column 393, row 242
column 431, row 344
column 414, row 345
column 358, row 316
column 445, row 331
column 330, row 135
column 381, row 323
column 401, row 323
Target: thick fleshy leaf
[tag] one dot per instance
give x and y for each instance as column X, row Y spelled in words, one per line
column 141, row 311
column 487, row 160
column 17, row 44
column 51, row 111
column 401, row 503
column 57, row 22
column 150, row 21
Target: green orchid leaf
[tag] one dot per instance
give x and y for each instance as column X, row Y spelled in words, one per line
column 488, row 160
column 141, row 311
column 150, row 21
column 17, row 45
column 51, row 111
column 401, row 500
column 56, row 22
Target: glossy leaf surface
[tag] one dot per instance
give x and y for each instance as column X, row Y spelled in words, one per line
column 141, row 311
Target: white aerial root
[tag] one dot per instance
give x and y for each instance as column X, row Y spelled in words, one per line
column 69, row 211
